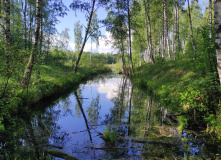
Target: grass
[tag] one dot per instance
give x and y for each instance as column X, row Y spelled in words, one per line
column 53, row 81
column 174, row 83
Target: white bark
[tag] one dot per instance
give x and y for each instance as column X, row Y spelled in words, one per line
column 85, row 38
column 191, row 29
column 29, row 67
column 217, row 17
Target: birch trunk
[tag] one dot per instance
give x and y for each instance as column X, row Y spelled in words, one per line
column 151, row 46
column 175, row 32
column 163, row 30
column 129, row 28
column 7, row 31
column 30, row 25
column 210, row 20
column 85, row 38
column 123, row 59
column 48, row 44
column 191, row 29
column 29, row 67
column 184, row 43
column 146, row 23
column 217, row 18
column 147, row 20
column 178, row 31
column 40, row 44
column 25, row 22
column 166, row 30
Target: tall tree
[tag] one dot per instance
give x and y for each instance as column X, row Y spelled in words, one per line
column 166, row 28
column 150, row 37
column 25, row 22
column 191, row 29
column 95, row 33
column 175, row 30
column 7, row 31
column 210, row 20
column 29, row 67
column 217, row 17
column 148, row 29
column 75, row 5
column 163, row 28
column 129, row 28
column 30, row 24
column 78, row 35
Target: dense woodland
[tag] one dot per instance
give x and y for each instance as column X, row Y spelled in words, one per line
column 145, row 33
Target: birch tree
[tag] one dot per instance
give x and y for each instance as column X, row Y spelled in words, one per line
column 191, row 29
column 148, row 30
column 76, row 5
column 29, row 67
column 129, row 29
column 78, row 35
column 217, row 17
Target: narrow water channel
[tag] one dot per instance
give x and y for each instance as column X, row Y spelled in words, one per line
column 105, row 118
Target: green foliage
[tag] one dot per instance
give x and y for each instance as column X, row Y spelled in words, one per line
column 183, row 122
column 182, row 86
column 159, row 59
column 110, row 135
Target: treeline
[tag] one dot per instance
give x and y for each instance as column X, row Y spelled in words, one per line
column 163, row 30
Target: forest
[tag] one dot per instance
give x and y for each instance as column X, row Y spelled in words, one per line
column 171, row 48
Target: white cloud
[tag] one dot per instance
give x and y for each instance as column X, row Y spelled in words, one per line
column 110, row 87
column 105, row 45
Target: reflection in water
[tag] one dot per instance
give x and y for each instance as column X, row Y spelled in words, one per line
column 137, row 126
column 82, row 111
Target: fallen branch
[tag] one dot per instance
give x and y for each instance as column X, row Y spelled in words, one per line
column 112, row 148
column 60, row 154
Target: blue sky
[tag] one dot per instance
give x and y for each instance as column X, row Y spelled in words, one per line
column 72, row 17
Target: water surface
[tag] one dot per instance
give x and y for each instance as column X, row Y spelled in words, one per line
column 105, row 118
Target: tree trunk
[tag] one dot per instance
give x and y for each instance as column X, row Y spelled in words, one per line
column 178, row 34
column 191, row 29
column 147, row 20
column 30, row 25
column 163, row 29
column 146, row 23
column 25, row 26
column 166, row 30
column 210, row 20
column 85, row 38
column 40, row 45
column 7, row 32
column 123, row 58
column 217, row 17
column 184, row 43
column 151, row 47
column 175, row 32
column 29, row 67
column 129, row 28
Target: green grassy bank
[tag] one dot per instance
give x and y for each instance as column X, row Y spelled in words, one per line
column 53, row 80
column 184, row 88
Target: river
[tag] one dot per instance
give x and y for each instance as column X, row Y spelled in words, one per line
column 104, row 118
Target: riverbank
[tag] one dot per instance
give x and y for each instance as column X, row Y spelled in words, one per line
column 53, row 80
column 180, row 85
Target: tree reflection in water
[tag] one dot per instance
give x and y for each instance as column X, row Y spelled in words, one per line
column 73, row 124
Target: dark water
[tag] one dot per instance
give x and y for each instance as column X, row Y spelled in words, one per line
column 106, row 118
